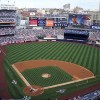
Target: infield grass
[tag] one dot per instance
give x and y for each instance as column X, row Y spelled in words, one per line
column 34, row 76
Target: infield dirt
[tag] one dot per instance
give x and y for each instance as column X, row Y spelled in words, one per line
column 76, row 71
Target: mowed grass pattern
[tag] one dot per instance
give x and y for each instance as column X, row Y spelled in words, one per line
column 34, row 76
column 83, row 55
column 86, row 56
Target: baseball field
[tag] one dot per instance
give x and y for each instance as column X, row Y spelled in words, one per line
column 43, row 70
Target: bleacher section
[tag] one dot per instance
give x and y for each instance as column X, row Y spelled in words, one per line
column 94, row 95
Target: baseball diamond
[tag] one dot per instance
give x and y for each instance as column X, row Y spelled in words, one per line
column 34, row 76
column 49, row 50
column 42, row 68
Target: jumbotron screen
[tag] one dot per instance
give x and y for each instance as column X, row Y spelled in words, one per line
column 79, row 20
column 33, row 21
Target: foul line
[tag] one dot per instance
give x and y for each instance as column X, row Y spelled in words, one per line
column 62, row 84
column 22, row 77
column 53, row 86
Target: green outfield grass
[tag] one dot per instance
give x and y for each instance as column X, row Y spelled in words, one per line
column 86, row 56
column 34, row 76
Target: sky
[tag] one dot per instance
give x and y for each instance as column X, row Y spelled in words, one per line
column 86, row 4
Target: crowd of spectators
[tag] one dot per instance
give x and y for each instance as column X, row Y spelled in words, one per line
column 35, row 32
column 94, row 95
column 14, row 39
column 94, row 35
column 7, row 30
column 24, row 35
column 5, row 20
column 7, row 14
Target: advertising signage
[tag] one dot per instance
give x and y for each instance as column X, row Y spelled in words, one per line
column 61, row 24
column 86, row 20
column 79, row 20
column 57, row 24
column 33, row 21
column 95, row 27
column 75, row 19
column 49, row 23
column 41, row 22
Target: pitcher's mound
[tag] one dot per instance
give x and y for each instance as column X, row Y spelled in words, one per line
column 28, row 91
column 46, row 75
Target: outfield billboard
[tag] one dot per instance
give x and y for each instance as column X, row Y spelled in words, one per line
column 95, row 27
column 75, row 19
column 61, row 24
column 79, row 20
column 86, row 20
column 64, row 24
column 57, row 24
column 33, row 21
column 49, row 23
column 41, row 21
